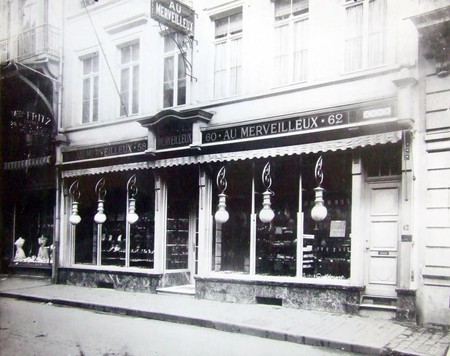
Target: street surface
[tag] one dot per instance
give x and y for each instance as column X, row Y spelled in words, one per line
column 28, row 328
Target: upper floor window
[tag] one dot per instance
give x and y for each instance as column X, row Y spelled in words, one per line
column 291, row 41
column 90, row 89
column 365, row 41
column 129, row 79
column 28, row 13
column 174, row 73
column 228, row 56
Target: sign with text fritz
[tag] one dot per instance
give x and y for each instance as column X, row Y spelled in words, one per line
column 175, row 15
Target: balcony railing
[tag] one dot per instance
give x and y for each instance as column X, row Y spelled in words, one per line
column 41, row 40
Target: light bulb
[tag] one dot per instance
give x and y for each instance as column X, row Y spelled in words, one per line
column 319, row 211
column 132, row 217
column 74, row 217
column 266, row 214
column 100, row 217
column 221, row 215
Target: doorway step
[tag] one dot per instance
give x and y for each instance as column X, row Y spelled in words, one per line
column 379, row 307
column 187, row 289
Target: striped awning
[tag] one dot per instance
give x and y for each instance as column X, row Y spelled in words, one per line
column 27, row 163
column 315, row 147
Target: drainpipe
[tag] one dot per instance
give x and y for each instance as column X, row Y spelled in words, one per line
column 59, row 140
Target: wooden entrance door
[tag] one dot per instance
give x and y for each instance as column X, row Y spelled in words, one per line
column 382, row 238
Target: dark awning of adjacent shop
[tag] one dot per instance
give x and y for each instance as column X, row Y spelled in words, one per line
column 315, row 147
column 27, row 163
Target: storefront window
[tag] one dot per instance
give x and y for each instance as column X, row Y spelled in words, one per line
column 276, row 242
column 116, row 242
column 231, row 240
column 182, row 197
column 326, row 244
column 34, row 227
column 85, row 232
column 142, row 232
column 113, row 231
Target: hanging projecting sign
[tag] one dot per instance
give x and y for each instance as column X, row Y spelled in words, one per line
column 32, row 123
column 174, row 15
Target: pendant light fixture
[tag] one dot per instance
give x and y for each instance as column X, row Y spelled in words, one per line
column 100, row 190
column 75, row 193
column 132, row 190
column 221, row 215
column 266, row 214
column 319, row 211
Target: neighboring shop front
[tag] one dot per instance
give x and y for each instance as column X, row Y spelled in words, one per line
column 28, row 172
column 352, row 160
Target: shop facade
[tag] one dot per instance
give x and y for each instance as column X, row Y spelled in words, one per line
column 30, row 87
column 185, row 171
column 291, row 178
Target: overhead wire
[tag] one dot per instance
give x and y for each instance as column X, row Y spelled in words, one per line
column 106, row 59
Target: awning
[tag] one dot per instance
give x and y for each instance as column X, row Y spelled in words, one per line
column 27, row 163
column 315, row 147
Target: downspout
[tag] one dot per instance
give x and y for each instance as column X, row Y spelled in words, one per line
column 58, row 142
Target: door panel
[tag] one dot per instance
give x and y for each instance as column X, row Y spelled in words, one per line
column 382, row 233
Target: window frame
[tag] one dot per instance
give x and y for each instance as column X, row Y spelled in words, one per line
column 228, row 40
column 367, row 45
column 91, row 76
column 176, row 54
column 100, row 234
column 291, row 21
column 303, row 201
column 131, row 66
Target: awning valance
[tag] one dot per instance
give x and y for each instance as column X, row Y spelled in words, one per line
column 315, row 147
column 27, row 163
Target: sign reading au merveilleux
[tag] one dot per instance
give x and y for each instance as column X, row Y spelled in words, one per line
column 173, row 134
column 106, row 151
column 271, row 128
column 174, row 15
column 32, row 123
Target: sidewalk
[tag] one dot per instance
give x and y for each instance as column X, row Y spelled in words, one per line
column 340, row 331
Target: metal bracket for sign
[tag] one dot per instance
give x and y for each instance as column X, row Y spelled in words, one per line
column 183, row 45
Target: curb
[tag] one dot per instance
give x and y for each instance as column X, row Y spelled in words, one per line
column 211, row 324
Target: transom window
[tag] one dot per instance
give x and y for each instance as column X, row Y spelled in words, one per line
column 174, row 73
column 228, row 56
column 129, row 79
column 90, row 89
column 365, row 41
column 291, row 41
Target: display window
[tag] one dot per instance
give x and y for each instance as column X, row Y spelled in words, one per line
column 105, row 234
column 326, row 243
column 276, row 242
column 182, row 202
column 287, row 241
column 231, row 240
column 33, row 227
